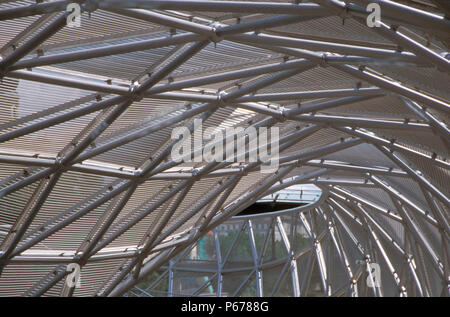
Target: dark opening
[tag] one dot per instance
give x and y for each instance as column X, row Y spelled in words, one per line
column 267, row 207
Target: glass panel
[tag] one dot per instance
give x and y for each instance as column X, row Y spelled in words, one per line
column 160, row 289
column 261, row 227
column 232, row 281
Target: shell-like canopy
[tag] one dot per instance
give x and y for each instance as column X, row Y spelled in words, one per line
column 88, row 104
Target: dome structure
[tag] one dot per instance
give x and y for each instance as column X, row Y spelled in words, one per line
column 259, row 252
column 102, row 100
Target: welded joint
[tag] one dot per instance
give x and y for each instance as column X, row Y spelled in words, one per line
column 221, row 98
column 215, row 36
column 61, row 164
column 324, row 60
column 243, row 171
column 196, row 175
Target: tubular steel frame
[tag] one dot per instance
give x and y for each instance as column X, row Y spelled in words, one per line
column 351, row 222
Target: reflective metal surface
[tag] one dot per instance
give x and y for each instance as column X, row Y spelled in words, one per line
column 86, row 116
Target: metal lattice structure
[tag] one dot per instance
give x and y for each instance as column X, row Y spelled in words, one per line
column 86, row 115
column 261, row 254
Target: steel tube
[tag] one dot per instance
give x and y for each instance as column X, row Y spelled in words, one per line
column 345, row 49
column 33, row 43
column 60, row 118
column 219, row 6
column 111, row 49
column 418, row 49
column 33, row 9
column 356, row 168
column 393, row 145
